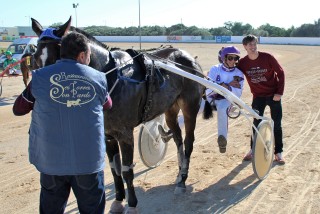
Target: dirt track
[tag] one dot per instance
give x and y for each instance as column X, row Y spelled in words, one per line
column 217, row 182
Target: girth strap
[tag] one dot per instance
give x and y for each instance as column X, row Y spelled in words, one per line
column 150, row 89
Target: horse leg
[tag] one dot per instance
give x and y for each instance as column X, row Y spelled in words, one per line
column 25, row 73
column 127, row 151
column 190, row 115
column 115, row 165
column 173, row 124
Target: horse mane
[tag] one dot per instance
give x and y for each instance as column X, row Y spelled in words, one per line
column 142, row 50
column 155, row 49
column 90, row 37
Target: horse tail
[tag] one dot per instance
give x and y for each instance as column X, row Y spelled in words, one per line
column 207, row 110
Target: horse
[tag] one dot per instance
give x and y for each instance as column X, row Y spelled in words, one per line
column 26, row 66
column 139, row 93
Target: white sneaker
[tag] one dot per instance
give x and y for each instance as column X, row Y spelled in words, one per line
column 278, row 157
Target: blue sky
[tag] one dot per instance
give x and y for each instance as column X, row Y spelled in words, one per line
column 125, row 13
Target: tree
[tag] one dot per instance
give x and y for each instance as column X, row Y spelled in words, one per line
column 177, row 29
column 229, row 29
column 153, row 31
column 306, row 30
column 273, row 31
column 57, row 24
column 220, row 31
column 238, row 29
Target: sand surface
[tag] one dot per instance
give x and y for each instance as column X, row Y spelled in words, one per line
column 217, row 183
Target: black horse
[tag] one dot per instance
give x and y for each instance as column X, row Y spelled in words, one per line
column 140, row 93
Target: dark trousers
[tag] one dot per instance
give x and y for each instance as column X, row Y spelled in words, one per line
column 260, row 103
column 88, row 189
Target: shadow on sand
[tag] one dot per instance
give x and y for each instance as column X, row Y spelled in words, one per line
column 4, row 101
column 217, row 198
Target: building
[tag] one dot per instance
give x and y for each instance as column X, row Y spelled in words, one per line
column 12, row 33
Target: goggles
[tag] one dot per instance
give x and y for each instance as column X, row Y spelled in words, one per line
column 235, row 58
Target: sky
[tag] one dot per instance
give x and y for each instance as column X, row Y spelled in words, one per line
column 125, row 13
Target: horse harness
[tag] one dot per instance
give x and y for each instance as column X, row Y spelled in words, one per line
column 153, row 78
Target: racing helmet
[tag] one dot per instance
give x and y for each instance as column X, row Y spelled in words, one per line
column 219, row 55
column 229, row 50
column 8, row 53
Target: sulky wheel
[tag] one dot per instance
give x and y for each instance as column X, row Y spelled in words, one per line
column 263, row 147
column 233, row 111
column 152, row 148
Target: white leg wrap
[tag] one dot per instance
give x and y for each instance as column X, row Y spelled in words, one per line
column 116, row 164
column 127, row 168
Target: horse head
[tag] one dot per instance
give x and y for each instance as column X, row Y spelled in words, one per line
column 48, row 49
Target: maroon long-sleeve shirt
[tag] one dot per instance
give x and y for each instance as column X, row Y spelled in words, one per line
column 265, row 75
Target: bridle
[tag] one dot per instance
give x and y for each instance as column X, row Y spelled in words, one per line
column 47, row 41
column 55, row 41
column 47, row 37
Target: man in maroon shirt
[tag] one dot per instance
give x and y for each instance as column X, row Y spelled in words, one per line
column 266, row 79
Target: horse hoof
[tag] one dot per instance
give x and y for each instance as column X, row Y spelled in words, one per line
column 179, row 190
column 116, row 207
column 132, row 210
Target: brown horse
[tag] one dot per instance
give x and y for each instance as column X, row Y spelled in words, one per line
column 26, row 66
column 140, row 93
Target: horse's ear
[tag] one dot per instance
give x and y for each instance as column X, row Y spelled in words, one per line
column 36, row 27
column 63, row 29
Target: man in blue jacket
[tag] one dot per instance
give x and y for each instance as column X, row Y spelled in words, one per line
column 66, row 142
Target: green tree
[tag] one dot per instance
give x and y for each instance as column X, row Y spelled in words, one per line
column 177, row 29
column 57, row 24
column 229, row 29
column 220, row 31
column 237, row 28
column 273, row 31
column 306, row 30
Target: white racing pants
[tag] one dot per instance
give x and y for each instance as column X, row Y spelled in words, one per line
column 222, row 117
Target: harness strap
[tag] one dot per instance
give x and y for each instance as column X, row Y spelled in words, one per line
column 150, row 82
column 114, row 85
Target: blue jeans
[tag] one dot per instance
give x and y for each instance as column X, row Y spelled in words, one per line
column 260, row 103
column 88, row 189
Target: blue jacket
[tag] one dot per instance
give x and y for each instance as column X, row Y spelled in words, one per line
column 67, row 127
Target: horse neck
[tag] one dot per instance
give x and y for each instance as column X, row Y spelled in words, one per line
column 100, row 57
column 101, row 60
column 164, row 53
